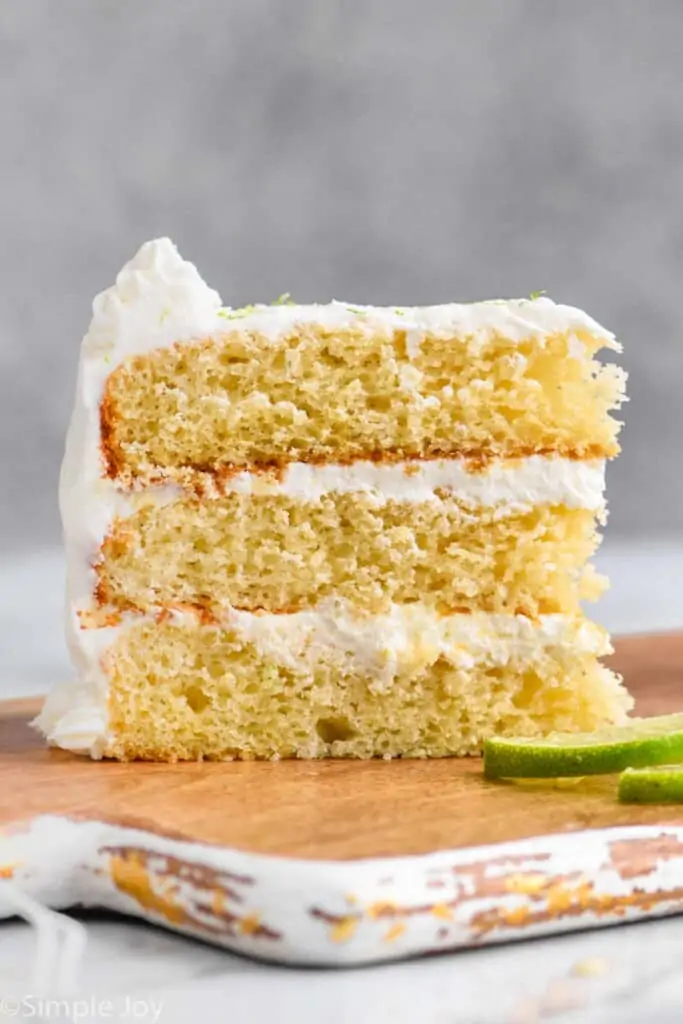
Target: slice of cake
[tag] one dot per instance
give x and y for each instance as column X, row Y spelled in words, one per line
column 331, row 530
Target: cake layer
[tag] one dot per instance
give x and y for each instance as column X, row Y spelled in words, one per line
column 325, row 684
column 242, row 399
column 174, row 381
column 282, row 554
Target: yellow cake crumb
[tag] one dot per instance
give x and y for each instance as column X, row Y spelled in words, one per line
column 190, row 690
column 243, row 399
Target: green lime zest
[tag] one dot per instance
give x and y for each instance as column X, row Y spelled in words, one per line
column 236, row 314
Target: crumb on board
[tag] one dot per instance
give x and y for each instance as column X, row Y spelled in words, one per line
column 591, row 967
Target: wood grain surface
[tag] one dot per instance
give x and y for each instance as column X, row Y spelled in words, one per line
column 332, row 809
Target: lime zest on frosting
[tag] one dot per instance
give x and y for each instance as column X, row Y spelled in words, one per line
column 236, row 314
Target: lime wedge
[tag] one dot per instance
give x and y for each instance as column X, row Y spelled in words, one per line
column 639, row 743
column 660, row 785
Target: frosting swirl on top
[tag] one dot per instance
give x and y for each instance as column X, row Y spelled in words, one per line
column 157, row 298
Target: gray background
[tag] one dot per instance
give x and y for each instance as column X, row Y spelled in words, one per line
column 400, row 151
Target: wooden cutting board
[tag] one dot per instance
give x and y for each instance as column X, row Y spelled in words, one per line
column 332, row 809
column 456, row 861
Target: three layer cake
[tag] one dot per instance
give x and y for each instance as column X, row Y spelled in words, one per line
column 331, row 530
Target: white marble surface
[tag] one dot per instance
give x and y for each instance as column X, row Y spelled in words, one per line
column 639, row 981
column 173, row 979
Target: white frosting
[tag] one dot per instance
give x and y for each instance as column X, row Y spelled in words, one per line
column 159, row 299
column 516, row 319
column 513, row 483
column 409, row 637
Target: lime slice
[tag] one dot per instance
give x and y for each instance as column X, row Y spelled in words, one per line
column 660, row 785
column 641, row 742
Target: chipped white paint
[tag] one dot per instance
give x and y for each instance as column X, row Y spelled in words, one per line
column 350, row 912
